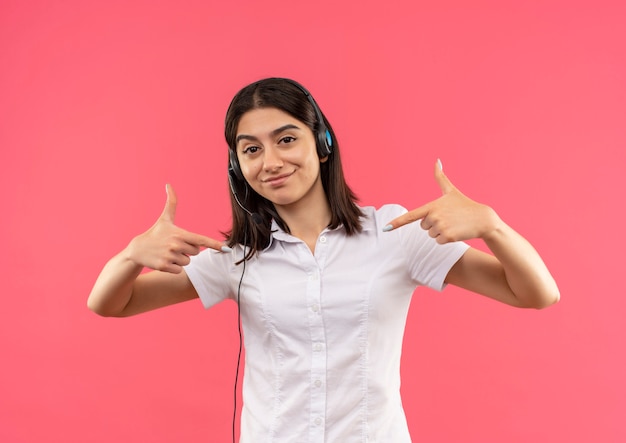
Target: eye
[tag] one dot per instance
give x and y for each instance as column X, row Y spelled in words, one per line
column 287, row 139
column 250, row 149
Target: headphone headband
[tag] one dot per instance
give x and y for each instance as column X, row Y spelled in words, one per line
column 323, row 138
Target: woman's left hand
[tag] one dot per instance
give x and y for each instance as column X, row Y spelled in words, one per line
column 451, row 217
column 515, row 274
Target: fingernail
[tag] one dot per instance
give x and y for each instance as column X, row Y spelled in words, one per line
column 439, row 164
column 226, row 249
column 387, row 228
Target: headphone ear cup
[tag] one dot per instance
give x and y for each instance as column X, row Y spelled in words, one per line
column 233, row 169
column 324, row 142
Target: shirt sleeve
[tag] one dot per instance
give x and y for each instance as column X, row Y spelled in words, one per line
column 428, row 262
column 209, row 273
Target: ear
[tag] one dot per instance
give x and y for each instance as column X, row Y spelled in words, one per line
column 324, row 159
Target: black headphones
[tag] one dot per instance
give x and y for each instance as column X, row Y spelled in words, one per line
column 323, row 139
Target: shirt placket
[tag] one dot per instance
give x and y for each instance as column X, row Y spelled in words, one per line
column 317, row 416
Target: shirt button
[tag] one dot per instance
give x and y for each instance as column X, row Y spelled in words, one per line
column 318, row 421
column 315, row 308
column 317, row 347
column 322, row 239
column 318, row 383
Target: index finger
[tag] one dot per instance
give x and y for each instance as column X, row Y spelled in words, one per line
column 199, row 240
column 409, row 217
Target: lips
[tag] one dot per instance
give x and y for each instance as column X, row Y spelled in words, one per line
column 277, row 180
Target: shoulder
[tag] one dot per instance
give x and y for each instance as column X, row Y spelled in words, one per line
column 377, row 218
column 214, row 262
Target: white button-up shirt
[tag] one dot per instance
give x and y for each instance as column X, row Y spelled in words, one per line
column 323, row 332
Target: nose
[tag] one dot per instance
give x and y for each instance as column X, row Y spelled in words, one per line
column 271, row 159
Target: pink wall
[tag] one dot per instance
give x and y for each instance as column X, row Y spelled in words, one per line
column 100, row 106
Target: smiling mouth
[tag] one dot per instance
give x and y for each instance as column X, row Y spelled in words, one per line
column 278, row 180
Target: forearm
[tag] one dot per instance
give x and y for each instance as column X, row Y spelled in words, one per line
column 526, row 274
column 114, row 287
column 120, row 290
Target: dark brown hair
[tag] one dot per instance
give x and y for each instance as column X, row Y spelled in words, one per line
column 290, row 97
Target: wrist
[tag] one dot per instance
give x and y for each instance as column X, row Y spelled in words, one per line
column 130, row 255
column 494, row 225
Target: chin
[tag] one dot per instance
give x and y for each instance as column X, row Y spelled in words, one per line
column 282, row 201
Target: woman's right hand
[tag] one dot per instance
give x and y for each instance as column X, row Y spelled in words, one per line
column 166, row 247
column 121, row 290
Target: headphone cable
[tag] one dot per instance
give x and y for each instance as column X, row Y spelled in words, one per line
column 243, row 271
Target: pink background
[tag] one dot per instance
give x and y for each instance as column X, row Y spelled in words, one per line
column 102, row 103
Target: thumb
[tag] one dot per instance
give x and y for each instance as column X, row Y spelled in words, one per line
column 444, row 183
column 169, row 212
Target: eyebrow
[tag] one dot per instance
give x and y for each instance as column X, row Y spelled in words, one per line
column 274, row 133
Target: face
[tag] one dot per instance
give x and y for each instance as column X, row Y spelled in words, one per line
column 278, row 157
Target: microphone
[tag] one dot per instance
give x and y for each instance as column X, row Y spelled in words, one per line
column 255, row 216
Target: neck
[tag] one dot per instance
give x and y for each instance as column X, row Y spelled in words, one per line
column 308, row 217
column 307, row 224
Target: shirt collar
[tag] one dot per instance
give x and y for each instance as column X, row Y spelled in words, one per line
column 367, row 222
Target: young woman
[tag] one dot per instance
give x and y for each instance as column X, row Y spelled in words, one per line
column 323, row 285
